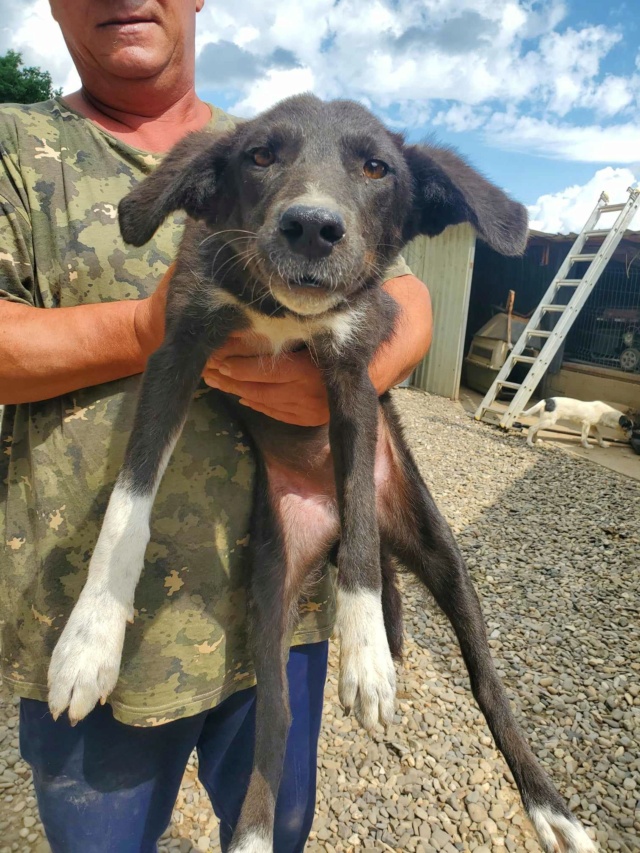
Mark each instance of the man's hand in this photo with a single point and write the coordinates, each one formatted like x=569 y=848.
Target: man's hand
x=290 y=388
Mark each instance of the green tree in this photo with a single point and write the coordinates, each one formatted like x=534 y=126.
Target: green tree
x=20 y=85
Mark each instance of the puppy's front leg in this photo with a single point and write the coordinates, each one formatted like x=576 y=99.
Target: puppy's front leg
x=86 y=660
x=367 y=674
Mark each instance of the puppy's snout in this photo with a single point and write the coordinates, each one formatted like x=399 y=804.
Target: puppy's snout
x=312 y=231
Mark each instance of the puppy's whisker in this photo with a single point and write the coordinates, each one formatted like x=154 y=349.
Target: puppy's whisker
x=226 y=245
x=226 y=231
x=231 y=263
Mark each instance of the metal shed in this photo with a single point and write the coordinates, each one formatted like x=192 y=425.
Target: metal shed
x=445 y=264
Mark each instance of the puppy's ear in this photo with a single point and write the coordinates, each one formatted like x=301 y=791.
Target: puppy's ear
x=625 y=422
x=447 y=191
x=186 y=179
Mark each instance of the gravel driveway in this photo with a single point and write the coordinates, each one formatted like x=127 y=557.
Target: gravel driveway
x=553 y=544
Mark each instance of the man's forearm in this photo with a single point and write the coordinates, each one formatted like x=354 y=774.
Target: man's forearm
x=48 y=352
x=410 y=342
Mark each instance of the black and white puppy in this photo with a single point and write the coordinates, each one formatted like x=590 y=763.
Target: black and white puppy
x=294 y=216
x=589 y=415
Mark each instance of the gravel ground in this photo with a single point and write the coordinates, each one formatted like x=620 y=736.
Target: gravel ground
x=552 y=542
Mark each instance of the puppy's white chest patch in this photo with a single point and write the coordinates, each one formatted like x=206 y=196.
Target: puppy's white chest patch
x=284 y=332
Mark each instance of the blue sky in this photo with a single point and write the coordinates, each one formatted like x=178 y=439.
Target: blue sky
x=541 y=95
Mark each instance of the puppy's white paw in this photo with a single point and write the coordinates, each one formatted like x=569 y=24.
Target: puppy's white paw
x=560 y=834
x=86 y=660
x=253 y=842
x=367 y=681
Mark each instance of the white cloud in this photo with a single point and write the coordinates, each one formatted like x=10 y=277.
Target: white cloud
x=275 y=85
x=592 y=144
x=612 y=95
x=567 y=211
x=501 y=67
x=504 y=68
x=461 y=117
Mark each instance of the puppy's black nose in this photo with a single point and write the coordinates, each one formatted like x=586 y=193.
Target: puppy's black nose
x=312 y=231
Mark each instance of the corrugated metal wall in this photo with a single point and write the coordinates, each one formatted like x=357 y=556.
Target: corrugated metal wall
x=445 y=264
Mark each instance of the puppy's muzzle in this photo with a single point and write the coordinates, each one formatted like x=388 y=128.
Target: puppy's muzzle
x=311 y=231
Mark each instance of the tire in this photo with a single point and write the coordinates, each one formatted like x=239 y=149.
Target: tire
x=630 y=359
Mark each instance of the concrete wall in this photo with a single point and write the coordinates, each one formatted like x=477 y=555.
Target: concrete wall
x=445 y=264
x=590 y=382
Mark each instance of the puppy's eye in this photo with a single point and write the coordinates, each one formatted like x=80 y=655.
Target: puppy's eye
x=263 y=157
x=375 y=169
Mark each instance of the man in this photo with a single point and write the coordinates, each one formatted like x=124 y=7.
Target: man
x=68 y=379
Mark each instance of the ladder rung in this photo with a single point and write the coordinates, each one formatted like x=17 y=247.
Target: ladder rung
x=537 y=333
x=598 y=232
x=556 y=308
x=579 y=258
x=611 y=208
x=511 y=385
x=527 y=359
x=569 y=282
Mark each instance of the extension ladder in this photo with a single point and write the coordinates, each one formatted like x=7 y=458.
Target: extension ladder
x=565 y=313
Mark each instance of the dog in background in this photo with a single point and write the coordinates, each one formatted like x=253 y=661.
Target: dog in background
x=293 y=216
x=589 y=415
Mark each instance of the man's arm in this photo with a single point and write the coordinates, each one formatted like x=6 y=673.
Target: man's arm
x=292 y=390
x=48 y=352
x=396 y=359
x=45 y=352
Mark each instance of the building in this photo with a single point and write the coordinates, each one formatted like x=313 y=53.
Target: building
x=601 y=355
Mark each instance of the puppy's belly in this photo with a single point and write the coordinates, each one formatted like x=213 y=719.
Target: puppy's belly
x=305 y=507
x=303 y=496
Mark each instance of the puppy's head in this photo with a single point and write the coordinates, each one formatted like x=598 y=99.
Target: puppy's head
x=626 y=425
x=318 y=198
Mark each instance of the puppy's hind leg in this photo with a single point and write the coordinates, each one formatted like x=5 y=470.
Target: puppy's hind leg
x=532 y=434
x=423 y=542
x=545 y=420
x=275 y=590
x=86 y=660
x=391 y=604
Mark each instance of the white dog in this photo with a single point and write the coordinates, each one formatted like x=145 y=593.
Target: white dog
x=589 y=415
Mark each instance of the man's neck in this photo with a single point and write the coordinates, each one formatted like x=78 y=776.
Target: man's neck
x=142 y=126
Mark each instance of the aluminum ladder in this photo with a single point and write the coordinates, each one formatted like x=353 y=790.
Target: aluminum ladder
x=565 y=313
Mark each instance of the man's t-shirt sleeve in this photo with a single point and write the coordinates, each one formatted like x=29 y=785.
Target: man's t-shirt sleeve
x=397 y=268
x=16 y=248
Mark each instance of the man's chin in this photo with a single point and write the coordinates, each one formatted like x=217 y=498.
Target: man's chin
x=141 y=60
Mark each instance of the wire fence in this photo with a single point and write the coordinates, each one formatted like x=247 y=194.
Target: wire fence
x=607 y=330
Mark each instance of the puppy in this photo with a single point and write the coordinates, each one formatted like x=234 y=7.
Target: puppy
x=589 y=415
x=293 y=217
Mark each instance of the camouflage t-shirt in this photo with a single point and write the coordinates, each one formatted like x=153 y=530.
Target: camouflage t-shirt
x=60 y=184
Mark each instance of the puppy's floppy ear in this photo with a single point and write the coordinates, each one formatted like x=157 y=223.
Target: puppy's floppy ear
x=186 y=179
x=625 y=422
x=447 y=191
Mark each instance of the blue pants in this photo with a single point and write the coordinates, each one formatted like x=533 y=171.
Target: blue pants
x=104 y=787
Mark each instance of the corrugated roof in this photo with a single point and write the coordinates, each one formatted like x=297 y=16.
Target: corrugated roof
x=627 y=251
x=633 y=236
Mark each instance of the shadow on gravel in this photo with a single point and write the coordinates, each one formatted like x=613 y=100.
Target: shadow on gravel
x=553 y=550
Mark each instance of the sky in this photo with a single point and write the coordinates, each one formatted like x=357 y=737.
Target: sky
x=540 y=95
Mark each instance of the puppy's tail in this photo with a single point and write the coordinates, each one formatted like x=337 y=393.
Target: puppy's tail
x=534 y=409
